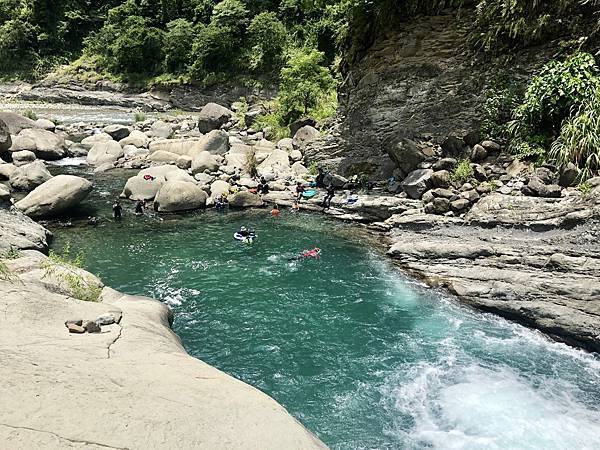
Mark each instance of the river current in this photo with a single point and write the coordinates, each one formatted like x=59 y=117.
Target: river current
x=362 y=355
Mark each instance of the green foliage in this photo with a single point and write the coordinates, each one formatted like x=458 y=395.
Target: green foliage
x=268 y=38
x=579 y=139
x=12 y=253
x=313 y=168
x=463 y=172
x=214 y=50
x=30 y=114
x=5 y=273
x=241 y=112
x=231 y=14
x=585 y=189
x=501 y=98
x=304 y=83
x=178 y=45
x=139 y=116
x=68 y=269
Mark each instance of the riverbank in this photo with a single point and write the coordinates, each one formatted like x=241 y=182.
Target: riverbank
x=134 y=373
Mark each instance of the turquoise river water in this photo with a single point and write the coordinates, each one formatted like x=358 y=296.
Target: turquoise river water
x=362 y=355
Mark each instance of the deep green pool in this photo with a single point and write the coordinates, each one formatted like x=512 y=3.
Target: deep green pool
x=363 y=356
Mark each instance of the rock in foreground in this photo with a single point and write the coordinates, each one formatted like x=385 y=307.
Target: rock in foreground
x=131 y=386
x=55 y=196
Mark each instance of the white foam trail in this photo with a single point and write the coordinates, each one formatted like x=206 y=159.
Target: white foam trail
x=78 y=161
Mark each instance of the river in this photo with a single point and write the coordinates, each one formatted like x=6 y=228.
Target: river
x=362 y=355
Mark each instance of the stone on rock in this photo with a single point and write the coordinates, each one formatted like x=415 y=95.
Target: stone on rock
x=441 y=205
x=78 y=322
x=23 y=157
x=74 y=328
x=427 y=197
x=161 y=129
x=453 y=147
x=136 y=138
x=45 y=124
x=105 y=319
x=55 y=196
x=491 y=146
x=216 y=142
x=6 y=170
x=539 y=189
x=204 y=180
x=163 y=157
x=5 y=138
x=92 y=327
x=184 y=162
x=471 y=195
x=48 y=145
x=159 y=171
x=479 y=172
x=131 y=150
x=545 y=175
x=443 y=193
x=20 y=143
x=104 y=152
x=472 y=138
x=568 y=175
x=212 y=117
x=407 y=156
x=460 y=204
x=204 y=161
x=29 y=176
x=478 y=153
x=304 y=136
x=77 y=150
x=90 y=141
x=417 y=183
x=286 y=144
x=178 y=195
x=117 y=132
x=298 y=169
x=335 y=180
x=296 y=155
x=445 y=164
x=245 y=199
x=16 y=122
x=441 y=178
x=180 y=175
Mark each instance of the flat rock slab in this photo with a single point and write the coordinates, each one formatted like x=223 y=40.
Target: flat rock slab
x=22 y=233
x=130 y=386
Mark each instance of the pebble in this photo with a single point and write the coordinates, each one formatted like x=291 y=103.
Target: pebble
x=74 y=328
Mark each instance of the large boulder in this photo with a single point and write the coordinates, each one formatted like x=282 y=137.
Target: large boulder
x=104 y=152
x=117 y=132
x=48 y=145
x=335 y=180
x=161 y=129
x=55 y=196
x=245 y=199
x=4 y=193
x=159 y=171
x=180 y=147
x=215 y=142
x=139 y=188
x=5 y=139
x=297 y=124
x=45 y=124
x=304 y=136
x=179 y=196
x=568 y=175
x=29 y=176
x=135 y=138
x=417 y=183
x=6 y=170
x=278 y=161
x=212 y=117
x=238 y=156
x=16 y=122
x=204 y=161
x=454 y=147
x=17 y=231
x=406 y=155
x=22 y=143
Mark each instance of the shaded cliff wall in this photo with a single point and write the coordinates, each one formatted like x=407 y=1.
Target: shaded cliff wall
x=420 y=82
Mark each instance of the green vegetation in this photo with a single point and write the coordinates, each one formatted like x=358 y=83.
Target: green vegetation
x=463 y=172
x=139 y=116
x=251 y=164
x=30 y=114
x=585 y=189
x=5 y=273
x=68 y=270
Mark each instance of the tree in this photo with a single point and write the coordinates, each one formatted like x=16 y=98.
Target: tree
x=303 y=83
x=138 y=48
x=230 y=14
x=214 y=50
x=268 y=37
x=178 y=45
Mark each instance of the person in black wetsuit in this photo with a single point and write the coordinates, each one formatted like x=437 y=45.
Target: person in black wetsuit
x=320 y=178
x=299 y=191
x=139 y=207
x=117 y=209
x=263 y=186
x=329 y=196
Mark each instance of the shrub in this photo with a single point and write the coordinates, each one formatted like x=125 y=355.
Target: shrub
x=214 y=50
x=139 y=116
x=501 y=98
x=30 y=114
x=68 y=270
x=268 y=38
x=231 y=14
x=463 y=172
x=178 y=45
x=304 y=82
x=138 y=48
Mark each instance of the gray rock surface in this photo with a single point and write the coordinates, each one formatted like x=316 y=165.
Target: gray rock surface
x=104 y=152
x=55 y=196
x=130 y=386
x=304 y=136
x=23 y=157
x=29 y=176
x=16 y=122
x=117 y=132
x=48 y=145
x=204 y=161
x=177 y=195
x=5 y=138
x=244 y=199
x=20 y=232
x=417 y=183
x=212 y=117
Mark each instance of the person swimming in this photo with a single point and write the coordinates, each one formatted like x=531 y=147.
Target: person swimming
x=275 y=211
x=314 y=253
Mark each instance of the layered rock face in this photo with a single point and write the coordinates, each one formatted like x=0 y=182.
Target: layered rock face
x=418 y=82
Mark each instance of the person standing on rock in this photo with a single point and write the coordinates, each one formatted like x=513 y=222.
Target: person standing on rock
x=329 y=196
x=117 y=210
x=299 y=191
